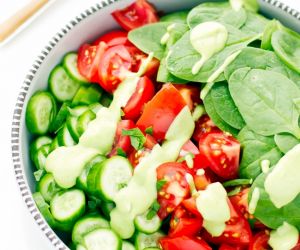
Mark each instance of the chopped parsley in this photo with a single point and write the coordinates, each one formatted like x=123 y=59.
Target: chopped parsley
x=137 y=138
x=149 y=130
x=153 y=210
x=121 y=152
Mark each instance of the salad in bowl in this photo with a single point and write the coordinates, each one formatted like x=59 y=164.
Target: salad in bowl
x=174 y=132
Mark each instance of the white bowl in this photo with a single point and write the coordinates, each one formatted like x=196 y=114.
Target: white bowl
x=87 y=26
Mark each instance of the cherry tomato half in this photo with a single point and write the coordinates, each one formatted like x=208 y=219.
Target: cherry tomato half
x=144 y=93
x=175 y=188
x=184 y=223
x=88 y=60
x=260 y=241
x=190 y=93
x=222 y=152
x=113 y=38
x=203 y=126
x=136 y=15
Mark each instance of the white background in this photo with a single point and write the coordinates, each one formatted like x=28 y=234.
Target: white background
x=17 y=229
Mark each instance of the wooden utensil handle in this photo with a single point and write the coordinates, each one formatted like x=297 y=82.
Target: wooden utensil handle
x=17 y=19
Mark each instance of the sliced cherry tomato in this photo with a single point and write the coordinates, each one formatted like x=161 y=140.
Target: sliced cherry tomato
x=135 y=15
x=260 y=241
x=114 y=67
x=223 y=152
x=229 y=247
x=203 y=177
x=135 y=157
x=184 y=243
x=240 y=201
x=190 y=205
x=88 y=60
x=203 y=126
x=188 y=147
x=123 y=141
x=161 y=111
x=237 y=231
x=176 y=188
x=113 y=38
x=184 y=223
x=143 y=93
x=190 y=93
x=138 y=57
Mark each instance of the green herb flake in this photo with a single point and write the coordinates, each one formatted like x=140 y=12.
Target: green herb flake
x=137 y=138
x=153 y=210
x=121 y=152
x=39 y=174
x=160 y=184
x=149 y=130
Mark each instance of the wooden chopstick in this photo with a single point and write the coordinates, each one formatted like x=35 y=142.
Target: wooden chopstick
x=10 y=25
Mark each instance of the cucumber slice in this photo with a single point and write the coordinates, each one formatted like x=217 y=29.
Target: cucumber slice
x=40 y=112
x=84 y=120
x=48 y=187
x=62 y=85
x=87 y=95
x=54 y=145
x=80 y=247
x=68 y=205
x=92 y=178
x=82 y=179
x=64 y=137
x=104 y=239
x=152 y=248
x=40 y=156
x=95 y=107
x=37 y=144
x=106 y=208
x=114 y=174
x=70 y=65
x=44 y=209
x=71 y=123
x=86 y=225
x=60 y=117
x=147 y=226
x=143 y=241
x=106 y=100
x=126 y=245
x=78 y=111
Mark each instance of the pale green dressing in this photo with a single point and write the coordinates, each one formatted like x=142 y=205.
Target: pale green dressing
x=236 y=4
x=254 y=200
x=265 y=166
x=285 y=176
x=165 y=38
x=141 y=191
x=67 y=163
x=284 y=238
x=207 y=38
x=213 y=206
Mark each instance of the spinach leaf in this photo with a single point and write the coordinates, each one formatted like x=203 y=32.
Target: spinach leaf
x=163 y=74
x=285 y=142
x=183 y=56
x=225 y=106
x=220 y=12
x=261 y=59
x=268 y=214
x=270 y=28
x=265 y=101
x=218 y=121
x=287 y=46
x=256 y=148
x=148 y=37
x=255 y=24
x=176 y=17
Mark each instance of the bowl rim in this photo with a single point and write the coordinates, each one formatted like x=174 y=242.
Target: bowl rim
x=20 y=176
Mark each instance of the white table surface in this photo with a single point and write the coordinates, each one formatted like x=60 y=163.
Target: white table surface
x=17 y=228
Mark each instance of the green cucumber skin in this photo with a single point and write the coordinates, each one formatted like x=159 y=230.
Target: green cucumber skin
x=43 y=187
x=35 y=116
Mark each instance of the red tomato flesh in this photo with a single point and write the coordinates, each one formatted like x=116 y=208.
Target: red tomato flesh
x=176 y=188
x=203 y=126
x=160 y=112
x=260 y=241
x=184 y=243
x=113 y=38
x=144 y=92
x=222 y=152
x=122 y=141
x=190 y=93
x=136 y=15
x=88 y=60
